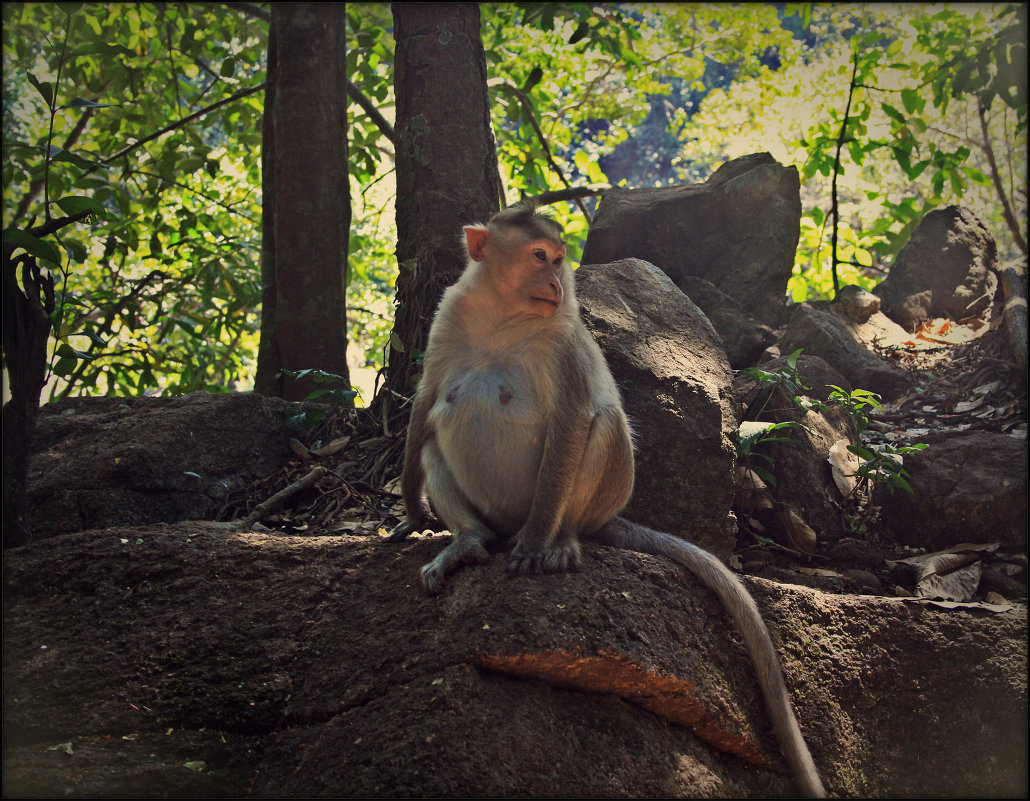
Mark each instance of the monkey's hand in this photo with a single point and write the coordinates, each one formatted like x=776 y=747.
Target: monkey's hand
x=558 y=557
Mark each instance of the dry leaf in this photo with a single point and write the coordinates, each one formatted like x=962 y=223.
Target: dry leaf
x=820 y=571
x=1005 y=607
x=802 y=536
x=844 y=465
x=952 y=574
x=968 y=406
x=752 y=494
x=332 y=447
x=299 y=448
x=958 y=585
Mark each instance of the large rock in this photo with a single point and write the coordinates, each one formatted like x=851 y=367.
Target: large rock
x=966 y=487
x=190 y=661
x=130 y=461
x=743 y=337
x=820 y=332
x=677 y=388
x=947 y=269
x=738 y=230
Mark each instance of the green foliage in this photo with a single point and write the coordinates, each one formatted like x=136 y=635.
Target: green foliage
x=884 y=464
x=912 y=138
x=159 y=289
x=334 y=392
x=751 y=434
x=857 y=402
x=159 y=286
x=786 y=378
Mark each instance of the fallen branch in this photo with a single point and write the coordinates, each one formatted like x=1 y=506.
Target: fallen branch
x=265 y=507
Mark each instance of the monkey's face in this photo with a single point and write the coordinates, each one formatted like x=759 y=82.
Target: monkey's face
x=533 y=277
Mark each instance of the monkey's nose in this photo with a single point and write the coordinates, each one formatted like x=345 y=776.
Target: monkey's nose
x=559 y=293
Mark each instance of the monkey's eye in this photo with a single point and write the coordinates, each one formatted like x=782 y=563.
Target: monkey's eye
x=540 y=256
x=558 y=261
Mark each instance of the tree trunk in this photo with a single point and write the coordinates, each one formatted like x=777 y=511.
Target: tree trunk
x=26 y=328
x=306 y=216
x=446 y=165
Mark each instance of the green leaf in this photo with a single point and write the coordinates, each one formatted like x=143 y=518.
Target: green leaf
x=65 y=367
x=102 y=49
x=75 y=204
x=913 y=102
x=81 y=102
x=60 y=154
x=44 y=88
x=581 y=31
x=893 y=113
x=37 y=247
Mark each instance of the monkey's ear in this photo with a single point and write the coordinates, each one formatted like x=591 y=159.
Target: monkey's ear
x=476 y=236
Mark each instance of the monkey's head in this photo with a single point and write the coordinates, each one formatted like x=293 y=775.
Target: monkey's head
x=523 y=255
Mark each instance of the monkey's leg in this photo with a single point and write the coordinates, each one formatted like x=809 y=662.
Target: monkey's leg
x=470 y=535
x=601 y=484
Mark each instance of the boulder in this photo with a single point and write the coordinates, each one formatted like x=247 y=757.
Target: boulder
x=947 y=269
x=190 y=661
x=821 y=332
x=738 y=230
x=130 y=461
x=966 y=487
x=744 y=338
x=676 y=385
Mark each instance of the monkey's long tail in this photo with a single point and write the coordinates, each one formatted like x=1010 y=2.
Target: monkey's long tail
x=737 y=601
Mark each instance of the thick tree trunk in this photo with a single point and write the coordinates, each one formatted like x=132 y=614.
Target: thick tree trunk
x=307 y=213
x=446 y=165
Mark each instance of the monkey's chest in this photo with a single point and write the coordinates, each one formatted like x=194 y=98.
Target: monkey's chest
x=490 y=426
x=487 y=398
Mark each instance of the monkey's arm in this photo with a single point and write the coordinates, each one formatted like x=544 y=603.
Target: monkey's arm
x=541 y=544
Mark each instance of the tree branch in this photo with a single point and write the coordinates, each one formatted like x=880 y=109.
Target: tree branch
x=359 y=97
x=834 y=209
x=1006 y=206
x=179 y=123
x=528 y=108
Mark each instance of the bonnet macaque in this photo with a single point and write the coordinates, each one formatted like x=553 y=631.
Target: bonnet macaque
x=517 y=431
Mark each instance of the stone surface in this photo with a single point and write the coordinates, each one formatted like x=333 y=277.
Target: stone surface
x=129 y=461
x=676 y=386
x=947 y=269
x=738 y=230
x=190 y=660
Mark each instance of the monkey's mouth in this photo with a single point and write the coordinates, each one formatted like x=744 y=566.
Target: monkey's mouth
x=550 y=301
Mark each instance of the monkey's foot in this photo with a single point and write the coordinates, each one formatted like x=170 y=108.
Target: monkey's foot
x=402 y=530
x=462 y=551
x=557 y=558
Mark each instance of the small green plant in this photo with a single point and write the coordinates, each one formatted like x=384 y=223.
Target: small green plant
x=754 y=433
x=345 y=396
x=857 y=402
x=884 y=464
x=786 y=378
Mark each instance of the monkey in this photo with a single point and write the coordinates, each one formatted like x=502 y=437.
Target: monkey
x=517 y=431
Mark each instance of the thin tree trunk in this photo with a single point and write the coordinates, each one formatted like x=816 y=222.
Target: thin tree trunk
x=1006 y=206
x=27 y=305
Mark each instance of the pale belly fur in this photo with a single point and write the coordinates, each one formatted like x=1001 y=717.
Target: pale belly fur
x=491 y=434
